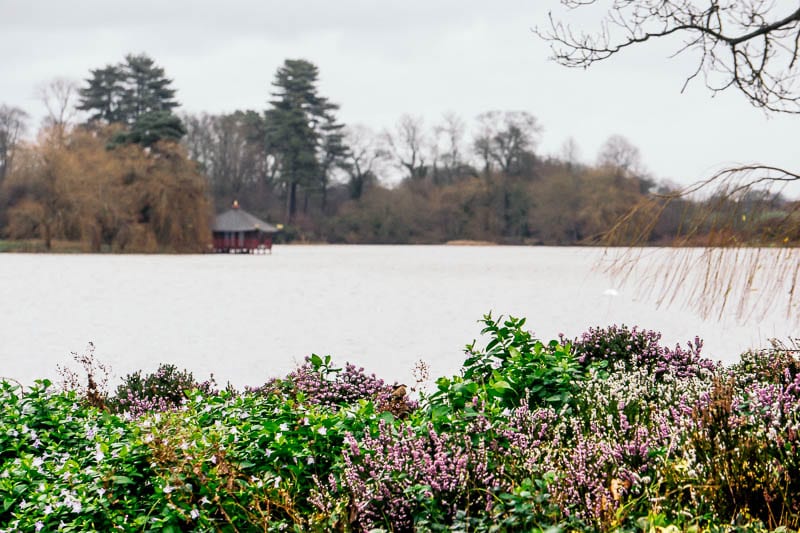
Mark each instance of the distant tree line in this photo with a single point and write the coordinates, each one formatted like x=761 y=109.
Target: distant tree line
x=136 y=176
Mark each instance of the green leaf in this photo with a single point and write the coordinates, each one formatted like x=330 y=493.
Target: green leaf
x=316 y=360
x=121 y=480
x=501 y=385
x=439 y=412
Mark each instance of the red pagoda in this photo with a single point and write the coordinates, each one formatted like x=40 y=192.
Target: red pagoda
x=238 y=232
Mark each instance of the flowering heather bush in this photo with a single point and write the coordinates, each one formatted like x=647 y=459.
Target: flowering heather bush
x=778 y=365
x=415 y=477
x=317 y=382
x=745 y=446
x=638 y=349
x=164 y=389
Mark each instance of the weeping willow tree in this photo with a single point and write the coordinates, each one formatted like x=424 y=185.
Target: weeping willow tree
x=734 y=236
x=127 y=198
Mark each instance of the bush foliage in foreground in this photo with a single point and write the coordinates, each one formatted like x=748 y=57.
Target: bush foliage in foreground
x=611 y=432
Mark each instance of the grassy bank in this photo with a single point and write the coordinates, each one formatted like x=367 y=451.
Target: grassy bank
x=610 y=432
x=30 y=246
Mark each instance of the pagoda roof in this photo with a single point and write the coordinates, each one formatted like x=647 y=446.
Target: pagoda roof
x=237 y=219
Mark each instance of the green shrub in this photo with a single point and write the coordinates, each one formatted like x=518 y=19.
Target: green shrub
x=512 y=369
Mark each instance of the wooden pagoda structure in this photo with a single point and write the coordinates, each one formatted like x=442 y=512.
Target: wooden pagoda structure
x=238 y=232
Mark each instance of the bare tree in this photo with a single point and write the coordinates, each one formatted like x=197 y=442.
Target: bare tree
x=229 y=149
x=408 y=143
x=448 y=148
x=506 y=139
x=619 y=153
x=570 y=152
x=59 y=97
x=12 y=128
x=198 y=139
x=749 y=46
x=366 y=152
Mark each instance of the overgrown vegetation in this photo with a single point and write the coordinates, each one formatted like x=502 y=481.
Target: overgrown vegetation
x=610 y=432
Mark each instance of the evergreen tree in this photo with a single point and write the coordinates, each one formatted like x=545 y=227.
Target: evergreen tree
x=333 y=152
x=151 y=127
x=300 y=129
x=103 y=95
x=136 y=93
x=124 y=92
x=146 y=88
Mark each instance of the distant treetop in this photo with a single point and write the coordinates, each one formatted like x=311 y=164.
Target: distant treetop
x=123 y=92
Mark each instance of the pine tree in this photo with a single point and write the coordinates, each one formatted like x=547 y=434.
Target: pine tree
x=301 y=130
x=333 y=152
x=137 y=94
x=151 y=127
x=123 y=92
x=103 y=95
x=146 y=88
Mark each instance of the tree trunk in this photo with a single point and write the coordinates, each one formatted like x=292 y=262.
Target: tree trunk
x=48 y=237
x=291 y=202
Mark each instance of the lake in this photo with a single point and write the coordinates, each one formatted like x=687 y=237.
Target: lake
x=247 y=318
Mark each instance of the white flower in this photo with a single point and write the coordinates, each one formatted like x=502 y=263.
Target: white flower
x=284 y=427
x=204 y=501
x=323 y=430
x=48 y=509
x=194 y=513
x=168 y=489
x=268 y=452
x=310 y=460
x=213 y=459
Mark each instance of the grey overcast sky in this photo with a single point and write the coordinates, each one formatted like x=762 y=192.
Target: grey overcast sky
x=380 y=59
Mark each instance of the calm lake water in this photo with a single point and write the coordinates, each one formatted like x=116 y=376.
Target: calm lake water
x=247 y=318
